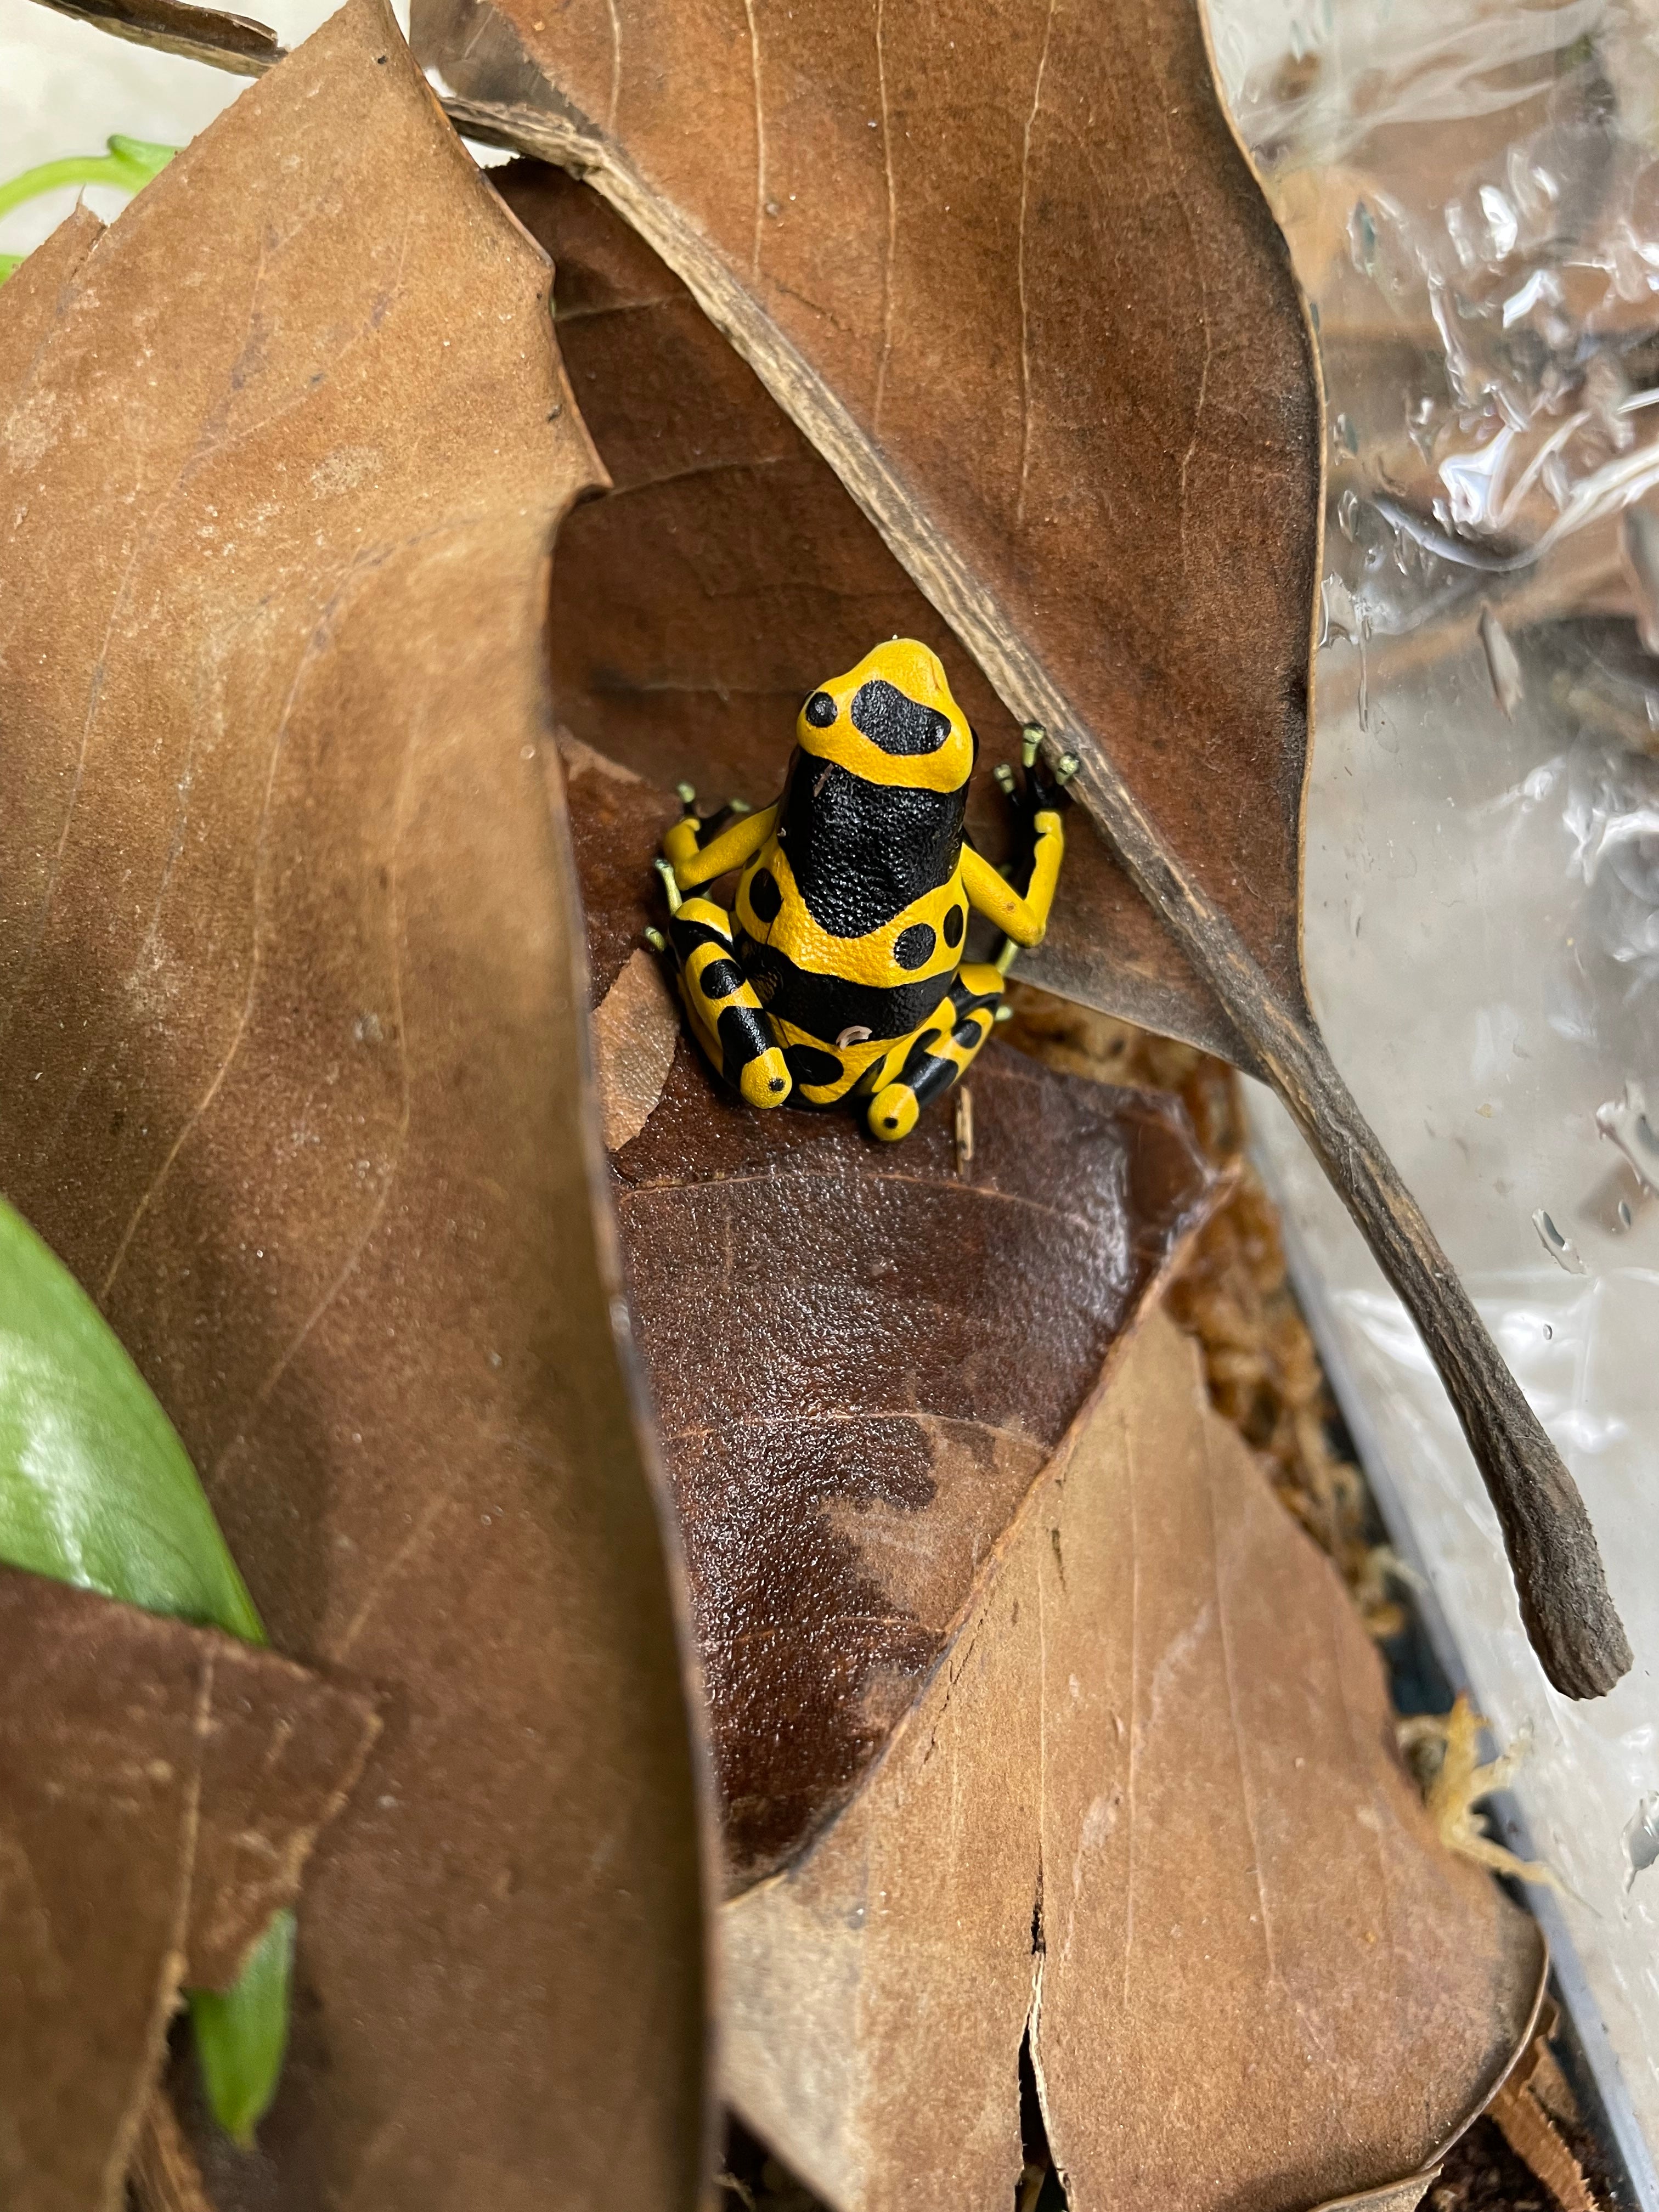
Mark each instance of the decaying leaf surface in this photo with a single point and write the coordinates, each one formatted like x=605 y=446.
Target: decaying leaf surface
x=862 y=1356
x=1150 y=1803
x=294 y=1079
x=161 y=1787
x=728 y=570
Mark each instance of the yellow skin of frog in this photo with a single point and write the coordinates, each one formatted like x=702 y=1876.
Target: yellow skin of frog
x=836 y=974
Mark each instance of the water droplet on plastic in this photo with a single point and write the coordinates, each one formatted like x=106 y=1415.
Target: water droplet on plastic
x=1562 y=1249
x=1365 y=676
x=1344 y=435
x=1638 y=548
x=1347 y=513
x=1503 y=223
x=1501 y=665
x=1642 y=1838
x=1340 y=618
x=1421 y=425
x=1624 y=1122
x=1362 y=238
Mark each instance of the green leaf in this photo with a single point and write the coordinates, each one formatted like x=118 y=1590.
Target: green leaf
x=129 y=165
x=240 y=2036
x=96 y=1490
x=142 y=155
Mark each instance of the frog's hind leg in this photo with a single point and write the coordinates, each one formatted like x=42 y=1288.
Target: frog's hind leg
x=726 y=1017
x=922 y=1068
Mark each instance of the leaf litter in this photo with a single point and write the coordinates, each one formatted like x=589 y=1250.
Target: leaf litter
x=1085 y=414
x=984 y=1588
x=295 y=1080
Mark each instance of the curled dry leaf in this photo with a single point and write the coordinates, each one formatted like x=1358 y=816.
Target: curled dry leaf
x=1008 y=271
x=161 y=1787
x=236 y=43
x=862 y=1356
x=294 y=1079
x=1147 y=1810
x=727 y=571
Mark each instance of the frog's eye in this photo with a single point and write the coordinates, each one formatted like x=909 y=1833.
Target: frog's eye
x=820 y=710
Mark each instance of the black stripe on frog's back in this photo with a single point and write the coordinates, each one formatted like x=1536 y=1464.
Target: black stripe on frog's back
x=827 y=1006
x=862 y=852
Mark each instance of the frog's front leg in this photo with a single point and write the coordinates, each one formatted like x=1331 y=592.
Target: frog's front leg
x=726 y=1017
x=694 y=863
x=1025 y=917
x=921 y=1067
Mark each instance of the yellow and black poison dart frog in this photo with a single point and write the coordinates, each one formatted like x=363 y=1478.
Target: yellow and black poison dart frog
x=840 y=974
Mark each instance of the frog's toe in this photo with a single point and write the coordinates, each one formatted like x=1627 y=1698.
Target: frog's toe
x=893 y=1113
x=765 y=1080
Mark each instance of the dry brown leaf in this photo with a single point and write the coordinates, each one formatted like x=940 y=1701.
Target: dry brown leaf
x=1008 y=271
x=729 y=569
x=636 y=1028
x=294 y=1079
x=1395 y=2196
x=229 y=42
x=1150 y=1804
x=862 y=1357
x=161 y=1789
x=1233 y=1292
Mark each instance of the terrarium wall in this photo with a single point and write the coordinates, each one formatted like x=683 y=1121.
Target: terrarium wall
x=1472 y=191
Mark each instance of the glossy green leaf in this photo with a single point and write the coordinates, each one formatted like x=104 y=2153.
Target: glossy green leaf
x=240 y=2036
x=97 y=1490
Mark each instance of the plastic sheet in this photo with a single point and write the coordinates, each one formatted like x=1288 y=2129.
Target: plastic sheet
x=1471 y=194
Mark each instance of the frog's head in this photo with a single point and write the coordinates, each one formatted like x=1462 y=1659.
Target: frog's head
x=892 y=721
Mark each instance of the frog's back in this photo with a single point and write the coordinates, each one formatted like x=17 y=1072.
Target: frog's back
x=851 y=918
x=853 y=914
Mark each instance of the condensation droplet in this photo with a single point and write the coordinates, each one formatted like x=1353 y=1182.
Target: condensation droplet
x=1642 y=1838
x=1365 y=676
x=1562 y=1249
x=1502 y=665
x=1639 y=547
x=1421 y=425
x=1347 y=512
x=1340 y=617
x=1624 y=1122
x=1502 y=221
x=1362 y=238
